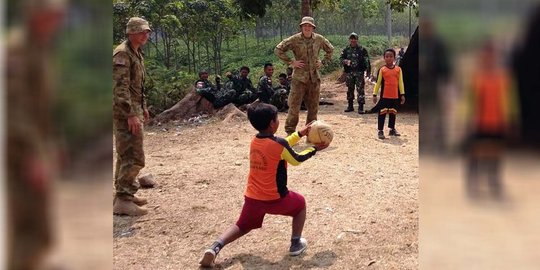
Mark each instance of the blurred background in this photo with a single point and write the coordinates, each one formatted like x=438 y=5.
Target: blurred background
x=57 y=134
x=479 y=134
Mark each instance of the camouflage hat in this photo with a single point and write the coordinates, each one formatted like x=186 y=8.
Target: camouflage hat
x=308 y=20
x=136 y=25
x=353 y=35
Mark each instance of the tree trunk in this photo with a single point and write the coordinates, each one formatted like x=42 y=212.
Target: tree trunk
x=245 y=41
x=306 y=8
x=389 y=24
x=191 y=104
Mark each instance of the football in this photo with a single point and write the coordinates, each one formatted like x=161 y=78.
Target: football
x=320 y=133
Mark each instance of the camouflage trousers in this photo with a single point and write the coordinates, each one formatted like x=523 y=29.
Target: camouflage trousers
x=129 y=159
x=279 y=99
x=246 y=97
x=223 y=97
x=309 y=92
x=208 y=93
x=356 y=79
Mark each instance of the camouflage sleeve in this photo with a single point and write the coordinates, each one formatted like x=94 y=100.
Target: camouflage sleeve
x=121 y=77
x=367 y=62
x=343 y=55
x=329 y=49
x=281 y=50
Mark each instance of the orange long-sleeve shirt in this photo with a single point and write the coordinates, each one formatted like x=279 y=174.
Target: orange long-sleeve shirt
x=268 y=160
x=391 y=80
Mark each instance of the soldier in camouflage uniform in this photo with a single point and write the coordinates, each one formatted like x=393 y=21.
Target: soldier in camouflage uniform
x=129 y=113
x=355 y=61
x=205 y=88
x=306 y=79
x=245 y=93
x=276 y=96
x=30 y=147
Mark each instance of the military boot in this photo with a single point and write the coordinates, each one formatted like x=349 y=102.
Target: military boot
x=350 y=107
x=127 y=207
x=361 y=108
x=139 y=201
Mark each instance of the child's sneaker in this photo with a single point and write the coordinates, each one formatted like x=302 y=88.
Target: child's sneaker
x=381 y=135
x=210 y=255
x=208 y=258
x=298 y=248
x=394 y=132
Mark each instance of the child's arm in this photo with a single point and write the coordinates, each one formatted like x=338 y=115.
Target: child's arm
x=293 y=138
x=292 y=157
x=377 y=86
x=401 y=86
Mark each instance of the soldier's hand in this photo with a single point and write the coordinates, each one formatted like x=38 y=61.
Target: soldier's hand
x=402 y=99
x=347 y=62
x=298 y=64
x=134 y=125
x=146 y=115
x=374 y=99
x=318 y=64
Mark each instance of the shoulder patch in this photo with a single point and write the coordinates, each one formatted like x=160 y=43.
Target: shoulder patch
x=120 y=61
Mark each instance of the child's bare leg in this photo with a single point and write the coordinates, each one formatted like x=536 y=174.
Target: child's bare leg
x=298 y=244
x=228 y=236
x=231 y=234
x=298 y=224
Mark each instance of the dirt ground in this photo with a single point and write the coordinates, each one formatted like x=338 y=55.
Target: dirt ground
x=361 y=193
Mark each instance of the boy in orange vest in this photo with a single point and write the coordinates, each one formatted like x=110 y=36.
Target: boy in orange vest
x=266 y=191
x=390 y=82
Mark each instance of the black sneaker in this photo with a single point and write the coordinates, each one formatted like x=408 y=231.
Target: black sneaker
x=349 y=109
x=298 y=248
x=394 y=132
x=381 y=135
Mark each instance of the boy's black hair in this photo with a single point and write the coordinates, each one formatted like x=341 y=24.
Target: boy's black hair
x=282 y=75
x=244 y=67
x=390 y=50
x=261 y=114
x=268 y=65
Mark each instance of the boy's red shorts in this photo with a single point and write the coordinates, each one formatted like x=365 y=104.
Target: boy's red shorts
x=253 y=211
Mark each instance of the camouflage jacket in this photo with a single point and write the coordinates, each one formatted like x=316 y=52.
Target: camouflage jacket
x=265 y=89
x=240 y=85
x=359 y=59
x=205 y=84
x=128 y=75
x=307 y=50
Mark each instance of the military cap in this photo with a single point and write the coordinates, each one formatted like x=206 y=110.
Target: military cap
x=353 y=35
x=136 y=25
x=308 y=20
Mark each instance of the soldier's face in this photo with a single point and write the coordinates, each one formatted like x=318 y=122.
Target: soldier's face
x=204 y=76
x=269 y=71
x=282 y=80
x=243 y=73
x=353 y=41
x=307 y=30
x=142 y=37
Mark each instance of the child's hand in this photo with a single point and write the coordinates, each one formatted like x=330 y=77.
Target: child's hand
x=321 y=146
x=305 y=130
x=402 y=99
x=374 y=99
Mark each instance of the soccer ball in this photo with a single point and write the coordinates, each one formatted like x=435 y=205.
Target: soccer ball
x=320 y=133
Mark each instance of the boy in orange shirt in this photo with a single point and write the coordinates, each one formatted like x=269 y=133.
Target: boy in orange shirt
x=390 y=81
x=266 y=191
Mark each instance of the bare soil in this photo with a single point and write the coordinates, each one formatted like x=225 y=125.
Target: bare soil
x=361 y=193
